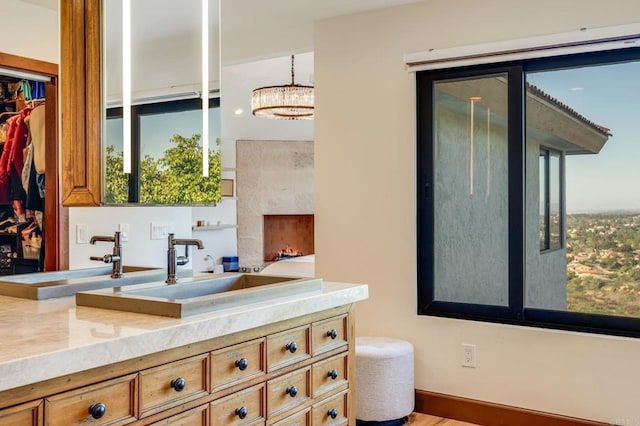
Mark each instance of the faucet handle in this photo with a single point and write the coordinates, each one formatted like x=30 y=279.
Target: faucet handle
x=107 y=258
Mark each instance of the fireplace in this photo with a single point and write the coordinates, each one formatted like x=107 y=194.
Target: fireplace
x=287 y=235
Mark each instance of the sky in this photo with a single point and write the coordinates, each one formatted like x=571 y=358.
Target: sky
x=608 y=95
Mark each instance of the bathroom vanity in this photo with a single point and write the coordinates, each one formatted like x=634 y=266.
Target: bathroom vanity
x=279 y=362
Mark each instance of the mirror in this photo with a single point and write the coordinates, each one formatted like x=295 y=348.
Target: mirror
x=166 y=81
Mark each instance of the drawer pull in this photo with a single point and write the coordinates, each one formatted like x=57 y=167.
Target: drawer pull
x=292 y=391
x=178 y=384
x=291 y=347
x=332 y=333
x=333 y=413
x=98 y=410
x=242 y=364
x=333 y=374
x=242 y=412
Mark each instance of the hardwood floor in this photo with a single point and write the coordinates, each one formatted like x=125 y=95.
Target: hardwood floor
x=417 y=419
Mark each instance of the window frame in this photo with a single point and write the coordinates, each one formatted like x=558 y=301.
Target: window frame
x=548 y=153
x=137 y=112
x=516 y=312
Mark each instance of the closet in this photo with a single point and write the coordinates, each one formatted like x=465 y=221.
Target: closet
x=30 y=213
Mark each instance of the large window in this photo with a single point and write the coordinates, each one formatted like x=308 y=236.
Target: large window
x=529 y=192
x=166 y=155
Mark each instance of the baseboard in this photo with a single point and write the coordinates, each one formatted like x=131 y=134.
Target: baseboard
x=488 y=414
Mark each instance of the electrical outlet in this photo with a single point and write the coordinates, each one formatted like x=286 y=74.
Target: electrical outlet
x=82 y=233
x=159 y=231
x=469 y=355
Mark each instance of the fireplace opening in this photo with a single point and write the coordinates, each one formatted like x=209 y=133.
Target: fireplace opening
x=287 y=236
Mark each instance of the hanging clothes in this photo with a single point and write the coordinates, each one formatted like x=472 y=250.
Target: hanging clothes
x=12 y=160
x=37 y=127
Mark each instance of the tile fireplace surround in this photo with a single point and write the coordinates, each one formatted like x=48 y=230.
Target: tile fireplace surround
x=272 y=178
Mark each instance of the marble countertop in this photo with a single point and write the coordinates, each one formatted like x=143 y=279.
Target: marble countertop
x=41 y=340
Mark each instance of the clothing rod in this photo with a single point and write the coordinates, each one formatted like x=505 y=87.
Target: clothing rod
x=24 y=75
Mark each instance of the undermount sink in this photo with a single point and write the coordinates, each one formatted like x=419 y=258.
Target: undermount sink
x=198 y=295
x=47 y=285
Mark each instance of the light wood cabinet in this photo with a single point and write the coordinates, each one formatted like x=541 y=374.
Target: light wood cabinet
x=241 y=408
x=112 y=403
x=248 y=378
x=30 y=414
x=174 y=383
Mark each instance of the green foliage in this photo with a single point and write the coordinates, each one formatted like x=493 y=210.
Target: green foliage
x=116 y=182
x=175 y=178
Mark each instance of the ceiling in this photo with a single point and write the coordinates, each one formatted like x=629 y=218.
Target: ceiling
x=271 y=27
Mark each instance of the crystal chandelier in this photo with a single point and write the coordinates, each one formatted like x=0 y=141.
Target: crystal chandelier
x=288 y=102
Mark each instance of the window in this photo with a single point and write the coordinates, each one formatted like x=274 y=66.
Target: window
x=529 y=192
x=550 y=201
x=166 y=155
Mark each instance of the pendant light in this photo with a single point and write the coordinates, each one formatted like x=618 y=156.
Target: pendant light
x=288 y=102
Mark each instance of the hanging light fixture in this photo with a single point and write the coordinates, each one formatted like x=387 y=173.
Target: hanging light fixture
x=288 y=102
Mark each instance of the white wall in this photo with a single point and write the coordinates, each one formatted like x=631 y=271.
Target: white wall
x=365 y=208
x=30 y=31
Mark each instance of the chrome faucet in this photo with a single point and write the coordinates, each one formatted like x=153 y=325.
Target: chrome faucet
x=115 y=258
x=171 y=255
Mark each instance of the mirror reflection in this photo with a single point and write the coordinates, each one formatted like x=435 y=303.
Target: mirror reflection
x=166 y=72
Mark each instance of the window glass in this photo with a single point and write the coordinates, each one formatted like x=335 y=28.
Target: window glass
x=590 y=115
x=471 y=242
x=116 y=189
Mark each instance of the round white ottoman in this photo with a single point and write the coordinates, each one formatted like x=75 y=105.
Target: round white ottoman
x=384 y=389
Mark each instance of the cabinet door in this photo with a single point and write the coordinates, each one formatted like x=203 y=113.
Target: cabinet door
x=287 y=392
x=332 y=411
x=29 y=414
x=112 y=403
x=301 y=418
x=241 y=408
x=329 y=334
x=330 y=375
x=234 y=364
x=288 y=347
x=198 y=416
x=171 y=384
x=80 y=103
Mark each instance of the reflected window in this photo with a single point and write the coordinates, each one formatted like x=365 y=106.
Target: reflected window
x=166 y=155
x=550 y=202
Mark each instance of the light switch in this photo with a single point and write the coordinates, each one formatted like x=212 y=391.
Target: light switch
x=82 y=233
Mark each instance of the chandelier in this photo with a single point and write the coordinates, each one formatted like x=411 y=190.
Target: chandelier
x=288 y=102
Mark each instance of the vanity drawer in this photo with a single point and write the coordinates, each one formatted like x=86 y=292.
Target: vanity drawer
x=288 y=391
x=332 y=411
x=172 y=384
x=287 y=347
x=198 y=416
x=329 y=374
x=241 y=408
x=329 y=334
x=236 y=363
x=30 y=414
x=115 y=399
x=301 y=418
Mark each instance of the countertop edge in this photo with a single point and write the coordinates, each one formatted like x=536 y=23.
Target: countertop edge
x=80 y=357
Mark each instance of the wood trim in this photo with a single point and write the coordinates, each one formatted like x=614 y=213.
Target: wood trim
x=21 y=63
x=80 y=87
x=489 y=414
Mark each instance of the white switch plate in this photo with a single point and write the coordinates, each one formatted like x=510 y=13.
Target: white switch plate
x=159 y=230
x=124 y=231
x=82 y=233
